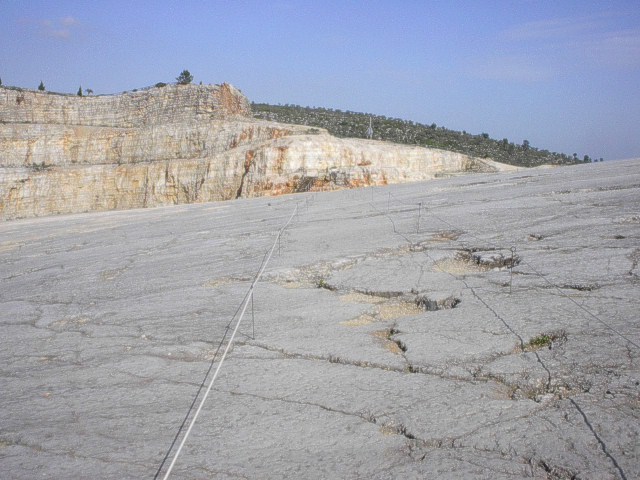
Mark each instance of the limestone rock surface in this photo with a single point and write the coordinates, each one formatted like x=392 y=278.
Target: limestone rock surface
x=384 y=341
x=181 y=144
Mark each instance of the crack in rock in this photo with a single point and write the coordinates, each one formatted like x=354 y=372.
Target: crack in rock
x=386 y=428
x=555 y=472
x=409 y=369
x=323 y=358
x=582 y=287
x=487 y=259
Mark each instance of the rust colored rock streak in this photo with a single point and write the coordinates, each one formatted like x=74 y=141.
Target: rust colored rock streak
x=230 y=100
x=181 y=144
x=248 y=163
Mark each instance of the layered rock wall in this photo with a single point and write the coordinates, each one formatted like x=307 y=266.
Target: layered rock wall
x=43 y=146
x=317 y=162
x=180 y=144
x=169 y=104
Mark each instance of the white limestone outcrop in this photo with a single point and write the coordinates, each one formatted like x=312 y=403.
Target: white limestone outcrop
x=181 y=144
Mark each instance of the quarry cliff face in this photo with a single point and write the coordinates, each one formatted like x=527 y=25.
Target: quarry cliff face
x=181 y=144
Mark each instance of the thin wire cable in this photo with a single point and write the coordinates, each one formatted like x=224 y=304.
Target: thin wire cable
x=539 y=359
x=244 y=304
x=580 y=306
x=495 y=245
x=552 y=284
x=204 y=380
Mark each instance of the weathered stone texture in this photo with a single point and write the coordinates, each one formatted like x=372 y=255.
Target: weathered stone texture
x=180 y=144
x=383 y=340
x=169 y=104
x=280 y=165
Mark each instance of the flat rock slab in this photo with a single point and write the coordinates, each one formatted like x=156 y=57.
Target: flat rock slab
x=491 y=332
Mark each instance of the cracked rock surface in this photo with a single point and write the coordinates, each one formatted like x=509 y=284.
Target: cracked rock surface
x=492 y=333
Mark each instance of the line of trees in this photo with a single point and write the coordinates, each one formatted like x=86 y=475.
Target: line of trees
x=355 y=125
x=184 y=78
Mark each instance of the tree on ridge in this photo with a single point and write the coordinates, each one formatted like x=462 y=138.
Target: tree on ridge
x=184 y=78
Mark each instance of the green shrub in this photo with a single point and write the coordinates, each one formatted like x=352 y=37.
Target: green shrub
x=352 y=124
x=184 y=78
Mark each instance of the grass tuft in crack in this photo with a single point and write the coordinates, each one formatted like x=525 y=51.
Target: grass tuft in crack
x=545 y=340
x=322 y=283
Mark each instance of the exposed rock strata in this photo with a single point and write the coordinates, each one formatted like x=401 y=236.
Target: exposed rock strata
x=180 y=144
x=111 y=321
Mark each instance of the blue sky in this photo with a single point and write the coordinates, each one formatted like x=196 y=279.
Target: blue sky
x=563 y=74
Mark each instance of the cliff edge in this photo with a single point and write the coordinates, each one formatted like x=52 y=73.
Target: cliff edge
x=181 y=144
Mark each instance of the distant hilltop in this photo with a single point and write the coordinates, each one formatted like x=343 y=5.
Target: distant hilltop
x=174 y=144
x=354 y=124
x=154 y=105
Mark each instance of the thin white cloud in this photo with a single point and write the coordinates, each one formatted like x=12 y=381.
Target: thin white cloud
x=63 y=34
x=545 y=49
x=62 y=28
x=512 y=68
x=617 y=49
x=553 y=28
x=69 y=21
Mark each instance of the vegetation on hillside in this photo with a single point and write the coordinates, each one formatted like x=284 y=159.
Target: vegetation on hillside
x=185 y=78
x=347 y=124
x=355 y=125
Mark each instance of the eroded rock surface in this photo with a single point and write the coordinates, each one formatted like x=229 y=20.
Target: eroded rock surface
x=110 y=321
x=181 y=144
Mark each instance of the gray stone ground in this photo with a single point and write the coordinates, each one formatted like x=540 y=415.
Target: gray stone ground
x=377 y=354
